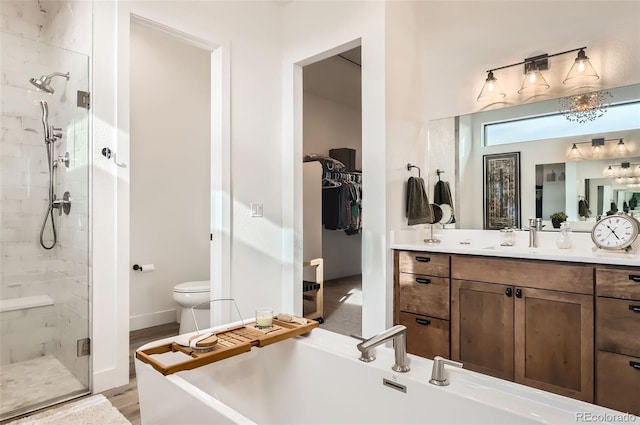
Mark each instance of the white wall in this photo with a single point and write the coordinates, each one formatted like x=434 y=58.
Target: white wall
x=170 y=137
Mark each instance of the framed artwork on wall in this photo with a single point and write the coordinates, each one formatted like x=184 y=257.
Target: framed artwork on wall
x=502 y=190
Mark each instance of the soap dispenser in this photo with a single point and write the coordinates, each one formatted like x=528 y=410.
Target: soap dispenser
x=563 y=241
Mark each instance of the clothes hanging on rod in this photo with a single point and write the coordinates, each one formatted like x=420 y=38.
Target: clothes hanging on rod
x=342 y=201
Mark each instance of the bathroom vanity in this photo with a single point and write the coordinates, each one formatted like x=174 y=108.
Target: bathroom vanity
x=564 y=321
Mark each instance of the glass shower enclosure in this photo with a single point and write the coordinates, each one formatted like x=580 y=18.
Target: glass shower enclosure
x=44 y=225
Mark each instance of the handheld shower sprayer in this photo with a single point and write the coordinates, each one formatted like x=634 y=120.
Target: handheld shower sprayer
x=45 y=119
x=51 y=133
x=44 y=83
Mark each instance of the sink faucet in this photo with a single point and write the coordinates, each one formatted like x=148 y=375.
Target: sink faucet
x=438 y=376
x=533 y=233
x=399 y=335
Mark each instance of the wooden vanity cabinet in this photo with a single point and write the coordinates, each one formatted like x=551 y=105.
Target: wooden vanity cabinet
x=618 y=338
x=524 y=320
x=421 y=301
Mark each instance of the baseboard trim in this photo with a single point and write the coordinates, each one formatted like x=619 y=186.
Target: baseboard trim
x=156 y=318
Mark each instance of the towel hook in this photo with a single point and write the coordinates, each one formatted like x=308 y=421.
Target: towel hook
x=410 y=166
x=438 y=172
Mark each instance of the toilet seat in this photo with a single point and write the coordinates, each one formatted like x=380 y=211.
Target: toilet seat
x=192 y=287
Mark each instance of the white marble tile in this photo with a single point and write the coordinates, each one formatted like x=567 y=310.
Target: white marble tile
x=34 y=381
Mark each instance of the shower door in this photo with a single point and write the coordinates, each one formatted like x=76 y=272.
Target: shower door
x=44 y=225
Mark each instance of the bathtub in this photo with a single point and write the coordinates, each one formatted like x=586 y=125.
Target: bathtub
x=318 y=379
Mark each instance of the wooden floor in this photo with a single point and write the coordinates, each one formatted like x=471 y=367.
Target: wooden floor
x=125 y=398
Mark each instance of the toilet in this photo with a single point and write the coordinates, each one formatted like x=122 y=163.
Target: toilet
x=188 y=294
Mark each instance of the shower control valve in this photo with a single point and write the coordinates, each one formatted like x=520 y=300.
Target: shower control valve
x=63 y=204
x=55 y=132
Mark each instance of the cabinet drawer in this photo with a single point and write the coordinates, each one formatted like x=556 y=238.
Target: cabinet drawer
x=533 y=274
x=423 y=263
x=618 y=283
x=618 y=382
x=426 y=336
x=424 y=295
x=618 y=326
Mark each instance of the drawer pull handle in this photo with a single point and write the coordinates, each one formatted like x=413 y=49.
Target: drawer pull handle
x=427 y=259
x=421 y=280
x=634 y=277
x=508 y=292
x=635 y=365
x=423 y=321
x=518 y=293
x=635 y=308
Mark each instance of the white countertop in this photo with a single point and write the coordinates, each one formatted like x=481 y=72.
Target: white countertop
x=487 y=243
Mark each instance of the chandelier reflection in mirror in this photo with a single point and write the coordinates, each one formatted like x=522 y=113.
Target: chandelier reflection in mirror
x=585 y=107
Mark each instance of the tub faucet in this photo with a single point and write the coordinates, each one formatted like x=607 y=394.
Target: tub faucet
x=399 y=335
x=438 y=376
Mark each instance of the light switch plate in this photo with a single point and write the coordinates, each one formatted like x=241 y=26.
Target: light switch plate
x=256 y=210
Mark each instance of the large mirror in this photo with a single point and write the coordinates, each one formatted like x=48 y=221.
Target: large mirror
x=553 y=177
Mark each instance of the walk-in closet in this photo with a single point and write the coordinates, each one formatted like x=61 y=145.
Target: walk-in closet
x=332 y=191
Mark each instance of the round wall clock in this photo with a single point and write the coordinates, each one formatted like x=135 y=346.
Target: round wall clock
x=615 y=232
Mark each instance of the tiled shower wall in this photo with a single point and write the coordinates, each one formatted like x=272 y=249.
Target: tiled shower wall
x=30 y=30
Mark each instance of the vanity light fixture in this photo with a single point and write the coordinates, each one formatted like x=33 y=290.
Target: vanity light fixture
x=623 y=172
x=534 y=81
x=598 y=148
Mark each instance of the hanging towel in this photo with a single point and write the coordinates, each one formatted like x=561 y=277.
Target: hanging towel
x=442 y=195
x=583 y=208
x=418 y=207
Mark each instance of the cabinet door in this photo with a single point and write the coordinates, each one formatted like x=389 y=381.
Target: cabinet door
x=482 y=327
x=554 y=342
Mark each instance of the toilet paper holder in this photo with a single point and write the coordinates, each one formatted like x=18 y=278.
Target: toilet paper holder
x=141 y=268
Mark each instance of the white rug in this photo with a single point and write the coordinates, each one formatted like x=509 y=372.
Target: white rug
x=95 y=410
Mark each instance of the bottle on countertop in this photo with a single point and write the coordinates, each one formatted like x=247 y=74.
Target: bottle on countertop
x=563 y=241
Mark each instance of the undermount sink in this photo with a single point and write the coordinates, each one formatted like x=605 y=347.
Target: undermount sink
x=524 y=249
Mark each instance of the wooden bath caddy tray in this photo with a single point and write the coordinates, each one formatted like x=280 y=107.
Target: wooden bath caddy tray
x=230 y=342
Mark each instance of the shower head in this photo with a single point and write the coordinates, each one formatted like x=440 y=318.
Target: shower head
x=44 y=82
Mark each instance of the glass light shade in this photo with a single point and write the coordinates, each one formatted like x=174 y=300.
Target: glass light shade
x=533 y=82
x=597 y=149
x=581 y=70
x=574 y=153
x=491 y=89
x=609 y=172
